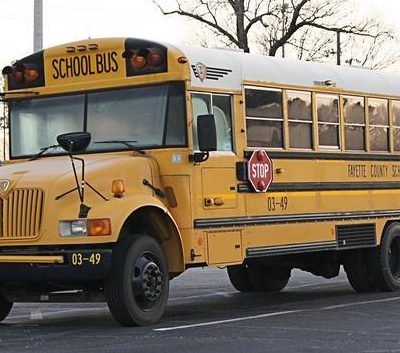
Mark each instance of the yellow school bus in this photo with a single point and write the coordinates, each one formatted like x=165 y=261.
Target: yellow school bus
x=131 y=161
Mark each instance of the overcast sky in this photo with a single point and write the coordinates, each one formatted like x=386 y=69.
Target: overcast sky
x=69 y=20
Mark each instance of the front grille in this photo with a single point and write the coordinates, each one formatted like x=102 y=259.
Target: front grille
x=21 y=214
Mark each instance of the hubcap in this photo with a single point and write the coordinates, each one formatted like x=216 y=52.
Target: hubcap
x=146 y=281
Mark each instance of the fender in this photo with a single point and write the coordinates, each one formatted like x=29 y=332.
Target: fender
x=128 y=215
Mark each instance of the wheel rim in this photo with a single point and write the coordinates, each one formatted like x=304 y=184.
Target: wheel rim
x=394 y=258
x=146 y=281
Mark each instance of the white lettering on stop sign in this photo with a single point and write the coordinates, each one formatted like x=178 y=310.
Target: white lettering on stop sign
x=259 y=169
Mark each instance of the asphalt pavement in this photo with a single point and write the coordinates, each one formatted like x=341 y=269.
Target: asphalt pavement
x=206 y=314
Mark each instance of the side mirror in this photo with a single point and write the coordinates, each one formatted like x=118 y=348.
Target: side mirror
x=74 y=141
x=206 y=136
x=206 y=133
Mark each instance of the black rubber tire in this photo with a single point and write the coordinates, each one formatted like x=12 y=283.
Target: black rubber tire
x=138 y=283
x=268 y=279
x=239 y=278
x=384 y=261
x=5 y=308
x=356 y=267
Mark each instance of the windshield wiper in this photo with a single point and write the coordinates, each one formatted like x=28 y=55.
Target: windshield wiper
x=127 y=143
x=42 y=151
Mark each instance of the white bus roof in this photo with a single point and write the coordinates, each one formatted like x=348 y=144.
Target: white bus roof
x=228 y=69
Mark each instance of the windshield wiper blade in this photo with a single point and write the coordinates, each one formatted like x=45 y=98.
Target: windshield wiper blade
x=42 y=151
x=127 y=143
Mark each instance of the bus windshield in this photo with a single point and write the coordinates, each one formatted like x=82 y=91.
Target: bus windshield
x=146 y=117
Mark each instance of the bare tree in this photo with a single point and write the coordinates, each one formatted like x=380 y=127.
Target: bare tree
x=306 y=27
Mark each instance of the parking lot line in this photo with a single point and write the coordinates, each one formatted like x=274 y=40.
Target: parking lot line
x=279 y=313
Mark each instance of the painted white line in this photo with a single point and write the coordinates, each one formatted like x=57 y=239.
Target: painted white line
x=230 y=293
x=339 y=306
x=227 y=321
x=318 y=285
x=33 y=315
x=224 y=294
x=279 y=313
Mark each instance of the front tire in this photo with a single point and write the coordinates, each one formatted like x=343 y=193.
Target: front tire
x=138 y=283
x=5 y=307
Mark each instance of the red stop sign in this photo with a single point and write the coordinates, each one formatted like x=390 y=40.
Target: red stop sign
x=259 y=169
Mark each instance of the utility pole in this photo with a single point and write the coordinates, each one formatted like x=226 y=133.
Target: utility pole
x=338 y=47
x=37 y=25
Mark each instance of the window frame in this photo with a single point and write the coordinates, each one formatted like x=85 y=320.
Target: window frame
x=387 y=127
x=338 y=124
x=255 y=118
x=299 y=121
x=396 y=128
x=232 y=131
x=346 y=124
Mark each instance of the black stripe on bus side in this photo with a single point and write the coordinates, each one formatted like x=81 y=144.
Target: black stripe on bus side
x=329 y=156
x=291 y=249
x=329 y=186
x=292 y=218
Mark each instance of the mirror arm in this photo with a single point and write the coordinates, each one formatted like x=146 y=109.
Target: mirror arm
x=199 y=157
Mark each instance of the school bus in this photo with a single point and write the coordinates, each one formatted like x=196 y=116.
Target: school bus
x=131 y=161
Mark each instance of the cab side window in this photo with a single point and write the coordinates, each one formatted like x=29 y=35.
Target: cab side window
x=221 y=107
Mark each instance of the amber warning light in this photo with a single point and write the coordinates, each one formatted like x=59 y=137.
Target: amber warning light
x=145 y=60
x=144 y=57
x=22 y=73
x=118 y=188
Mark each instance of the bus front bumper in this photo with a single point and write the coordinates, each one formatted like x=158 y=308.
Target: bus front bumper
x=70 y=265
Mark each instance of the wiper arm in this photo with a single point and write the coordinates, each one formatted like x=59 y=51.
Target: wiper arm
x=42 y=151
x=127 y=143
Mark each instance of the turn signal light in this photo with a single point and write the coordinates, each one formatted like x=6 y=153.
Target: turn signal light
x=118 y=188
x=96 y=227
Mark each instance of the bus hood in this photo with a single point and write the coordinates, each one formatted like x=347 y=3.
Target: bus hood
x=55 y=175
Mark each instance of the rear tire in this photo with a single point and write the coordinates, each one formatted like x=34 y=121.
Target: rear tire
x=239 y=278
x=268 y=279
x=138 y=283
x=356 y=267
x=384 y=261
x=5 y=307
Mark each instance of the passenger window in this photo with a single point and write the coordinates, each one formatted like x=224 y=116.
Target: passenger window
x=220 y=107
x=328 y=121
x=264 y=118
x=300 y=119
x=378 y=124
x=354 y=123
x=396 y=124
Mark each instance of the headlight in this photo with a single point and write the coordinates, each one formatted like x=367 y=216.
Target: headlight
x=85 y=227
x=74 y=228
